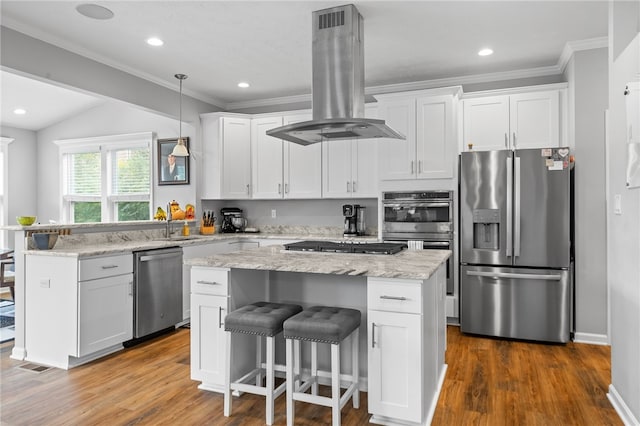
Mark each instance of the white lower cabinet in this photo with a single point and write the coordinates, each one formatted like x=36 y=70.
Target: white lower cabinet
x=394 y=363
x=208 y=340
x=105 y=312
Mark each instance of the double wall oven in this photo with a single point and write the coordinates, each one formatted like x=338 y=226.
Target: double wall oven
x=423 y=216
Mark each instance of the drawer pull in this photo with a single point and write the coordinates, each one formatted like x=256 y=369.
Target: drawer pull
x=109 y=266
x=220 y=323
x=393 y=297
x=208 y=282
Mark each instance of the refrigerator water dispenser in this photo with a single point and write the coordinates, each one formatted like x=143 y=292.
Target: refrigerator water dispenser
x=486 y=229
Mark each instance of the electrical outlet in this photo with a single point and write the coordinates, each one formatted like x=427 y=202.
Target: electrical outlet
x=273 y=213
x=617 y=204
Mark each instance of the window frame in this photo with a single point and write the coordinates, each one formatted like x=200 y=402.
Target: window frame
x=105 y=145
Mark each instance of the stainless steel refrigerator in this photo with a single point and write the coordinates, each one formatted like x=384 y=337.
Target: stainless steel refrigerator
x=516 y=255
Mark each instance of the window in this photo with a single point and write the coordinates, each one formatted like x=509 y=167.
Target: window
x=106 y=179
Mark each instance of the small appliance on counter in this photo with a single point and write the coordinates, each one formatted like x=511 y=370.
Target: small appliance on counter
x=232 y=220
x=354 y=223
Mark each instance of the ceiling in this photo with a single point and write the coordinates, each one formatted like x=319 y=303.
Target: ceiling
x=268 y=44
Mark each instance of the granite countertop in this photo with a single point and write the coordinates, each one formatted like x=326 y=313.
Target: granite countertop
x=113 y=243
x=409 y=264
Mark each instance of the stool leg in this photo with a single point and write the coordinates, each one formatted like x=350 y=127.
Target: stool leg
x=314 y=368
x=297 y=364
x=259 y=360
x=270 y=360
x=335 y=384
x=227 y=377
x=355 y=363
x=290 y=379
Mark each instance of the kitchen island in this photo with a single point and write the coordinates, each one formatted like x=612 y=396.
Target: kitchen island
x=401 y=298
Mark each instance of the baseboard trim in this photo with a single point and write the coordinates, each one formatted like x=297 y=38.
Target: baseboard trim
x=590 y=338
x=621 y=407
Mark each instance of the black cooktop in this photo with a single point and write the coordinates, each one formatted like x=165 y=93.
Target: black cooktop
x=346 y=247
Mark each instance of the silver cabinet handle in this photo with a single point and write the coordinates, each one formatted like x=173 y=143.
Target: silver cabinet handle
x=248 y=192
x=393 y=297
x=109 y=266
x=130 y=288
x=220 y=323
x=419 y=166
x=279 y=188
x=506 y=141
x=208 y=282
x=514 y=140
x=411 y=166
x=286 y=188
x=373 y=334
x=353 y=186
x=348 y=187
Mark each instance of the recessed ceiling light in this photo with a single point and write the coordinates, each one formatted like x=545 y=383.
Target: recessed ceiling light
x=485 y=52
x=243 y=84
x=94 y=11
x=154 y=41
x=19 y=111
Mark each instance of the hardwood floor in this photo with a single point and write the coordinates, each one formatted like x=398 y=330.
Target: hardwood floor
x=489 y=382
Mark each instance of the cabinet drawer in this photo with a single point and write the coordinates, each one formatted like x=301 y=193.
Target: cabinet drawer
x=209 y=281
x=394 y=295
x=108 y=266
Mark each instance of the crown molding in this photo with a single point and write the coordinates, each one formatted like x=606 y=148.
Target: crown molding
x=571 y=47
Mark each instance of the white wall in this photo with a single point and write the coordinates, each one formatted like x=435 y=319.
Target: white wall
x=112 y=118
x=588 y=96
x=22 y=171
x=623 y=249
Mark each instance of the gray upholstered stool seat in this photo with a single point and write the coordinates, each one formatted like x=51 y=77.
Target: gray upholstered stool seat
x=322 y=324
x=265 y=320
x=261 y=318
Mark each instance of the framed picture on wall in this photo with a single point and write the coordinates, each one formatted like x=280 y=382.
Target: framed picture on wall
x=172 y=170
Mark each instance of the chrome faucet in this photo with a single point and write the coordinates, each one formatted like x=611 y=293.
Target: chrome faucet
x=167 y=231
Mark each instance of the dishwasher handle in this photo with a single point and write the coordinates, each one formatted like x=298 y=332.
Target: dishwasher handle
x=149 y=257
x=496 y=275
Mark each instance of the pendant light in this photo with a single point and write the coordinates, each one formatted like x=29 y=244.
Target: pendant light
x=180 y=150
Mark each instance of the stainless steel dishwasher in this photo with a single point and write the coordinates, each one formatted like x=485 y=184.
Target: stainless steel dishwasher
x=157 y=296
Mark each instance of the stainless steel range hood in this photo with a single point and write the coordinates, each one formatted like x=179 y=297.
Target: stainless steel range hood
x=338 y=83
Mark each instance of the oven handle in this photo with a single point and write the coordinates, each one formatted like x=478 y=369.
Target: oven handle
x=414 y=204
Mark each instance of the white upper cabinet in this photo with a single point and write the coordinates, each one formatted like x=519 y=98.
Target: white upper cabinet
x=227 y=156
x=427 y=119
x=349 y=167
x=514 y=121
x=267 y=158
x=283 y=169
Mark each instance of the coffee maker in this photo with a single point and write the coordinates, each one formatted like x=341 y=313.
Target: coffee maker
x=232 y=220
x=354 y=223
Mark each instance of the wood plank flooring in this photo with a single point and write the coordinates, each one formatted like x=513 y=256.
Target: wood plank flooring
x=489 y=382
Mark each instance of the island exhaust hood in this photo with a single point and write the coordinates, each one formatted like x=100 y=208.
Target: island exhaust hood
x=338 y=83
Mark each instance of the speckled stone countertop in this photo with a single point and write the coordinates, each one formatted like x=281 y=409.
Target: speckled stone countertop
x=113 y=243
x=409 y=264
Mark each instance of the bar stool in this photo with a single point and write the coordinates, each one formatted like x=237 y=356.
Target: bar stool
x=321 y=324
x=263 y=319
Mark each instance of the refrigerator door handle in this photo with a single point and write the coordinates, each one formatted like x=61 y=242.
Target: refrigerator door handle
x=496 y=275
x=516 y=208
x=509 y=212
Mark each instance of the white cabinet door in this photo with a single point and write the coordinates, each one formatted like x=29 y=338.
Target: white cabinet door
x=397 y=157
x=364 y=169
x=267 y=159
x=435 y=137
x=337 y=165
x=302 y=165
x=535 y=120
x=395 y=368
x=236 y=158
x=486 y=123
x=208 y=340
x=105 y=313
